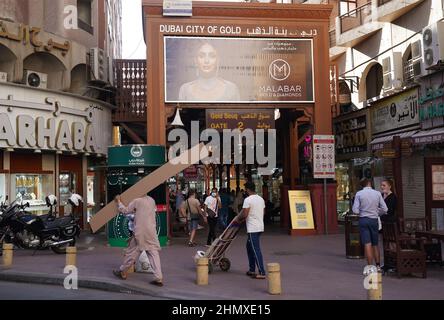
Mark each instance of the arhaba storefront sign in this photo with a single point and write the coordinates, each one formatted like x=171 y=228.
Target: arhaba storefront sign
x=396 y=112
x=60 y=122
x=238 y=70
x=239 y=119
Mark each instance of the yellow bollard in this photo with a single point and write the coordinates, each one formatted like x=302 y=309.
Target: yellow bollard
x=202 y=272
x=375 y=287
x=274 y=278
x=8 y=250
x=71 y=256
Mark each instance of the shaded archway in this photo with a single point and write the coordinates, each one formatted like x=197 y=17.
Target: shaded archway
x=7 y=61
x=48 y=64
x=79 y=79
x=371 y=81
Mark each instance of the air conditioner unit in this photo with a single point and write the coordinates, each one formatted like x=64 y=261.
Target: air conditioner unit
x=35 y=79
x=416 y=49
x=392 y=70
x=99 y=64
x=433 y=44
x=3 y=77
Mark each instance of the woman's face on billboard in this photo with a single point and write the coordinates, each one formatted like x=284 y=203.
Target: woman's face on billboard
x=207 y=59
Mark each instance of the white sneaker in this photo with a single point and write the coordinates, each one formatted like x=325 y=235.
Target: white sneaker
x=199 y=227
x=369 y=269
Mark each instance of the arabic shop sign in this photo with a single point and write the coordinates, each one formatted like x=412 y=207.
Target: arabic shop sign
x=26 y=34
x=429 y=107
x=351 y=135
x=44 y=133
x=395 y=112
x=239 y=119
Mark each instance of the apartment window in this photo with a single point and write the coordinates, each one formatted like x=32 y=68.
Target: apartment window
x=347 y=6
x=84 y=8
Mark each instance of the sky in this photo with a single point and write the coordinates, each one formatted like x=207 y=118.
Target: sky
x=133 y=42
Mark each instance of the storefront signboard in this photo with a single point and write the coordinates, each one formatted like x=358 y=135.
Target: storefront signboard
x=301 y=209
x=352 y=136
x=395 y=112
x=35 y=119
x=136 y=156
x=324 y=156
x=431 y=108
x=239 y=119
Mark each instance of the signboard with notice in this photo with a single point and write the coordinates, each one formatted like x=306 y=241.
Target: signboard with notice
x=324 y=156
x=395 y=112
x=239 y=119
x=301 y=209
x=178 y=8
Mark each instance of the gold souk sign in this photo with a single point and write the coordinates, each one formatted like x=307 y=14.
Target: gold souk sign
x=27 y=34
x=240 y=119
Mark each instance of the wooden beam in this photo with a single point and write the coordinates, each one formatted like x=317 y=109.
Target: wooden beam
x=150 y=182
x=132 y=134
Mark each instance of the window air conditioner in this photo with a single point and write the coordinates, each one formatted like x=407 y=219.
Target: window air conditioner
x=36 y=79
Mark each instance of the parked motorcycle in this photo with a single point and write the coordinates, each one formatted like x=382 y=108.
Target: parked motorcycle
x=29 y=231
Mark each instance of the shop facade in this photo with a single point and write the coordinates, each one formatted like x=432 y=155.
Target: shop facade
x=395 y=119
x=353 y=156
x=53 y=143
x=427 y=159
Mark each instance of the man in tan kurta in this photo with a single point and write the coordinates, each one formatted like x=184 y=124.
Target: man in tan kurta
x=144 y=239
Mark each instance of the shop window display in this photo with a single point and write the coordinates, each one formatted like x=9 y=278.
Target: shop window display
x=2 y=187
x=32 y=188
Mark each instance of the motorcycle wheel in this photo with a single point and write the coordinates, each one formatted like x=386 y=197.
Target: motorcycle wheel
x=61 y=249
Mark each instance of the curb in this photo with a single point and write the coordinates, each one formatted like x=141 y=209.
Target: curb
x=99 y=284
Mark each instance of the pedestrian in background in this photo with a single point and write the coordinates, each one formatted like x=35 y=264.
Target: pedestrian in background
x=369 y=204
x=212 y=205
x=223 y=212
x=390 y=200
x=192 y=210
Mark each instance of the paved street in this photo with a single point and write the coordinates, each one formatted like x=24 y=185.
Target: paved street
x=312 y=268
x=23 y=291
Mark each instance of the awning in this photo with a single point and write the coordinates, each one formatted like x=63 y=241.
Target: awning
x=378 y=143
x=429 y=136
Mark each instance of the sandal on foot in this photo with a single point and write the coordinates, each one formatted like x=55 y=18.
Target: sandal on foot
x=259 y=276
x=119 y=274
x=157 y=283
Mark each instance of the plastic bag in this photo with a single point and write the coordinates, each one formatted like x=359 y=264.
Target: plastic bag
x=143 y=264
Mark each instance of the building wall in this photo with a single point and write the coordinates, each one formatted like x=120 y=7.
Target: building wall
x=392 y=38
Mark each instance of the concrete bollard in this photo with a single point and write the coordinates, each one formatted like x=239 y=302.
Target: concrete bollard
x=202 y=272
x=71 y=256
x=375 y=287
x=8 y=250
x=274 y=278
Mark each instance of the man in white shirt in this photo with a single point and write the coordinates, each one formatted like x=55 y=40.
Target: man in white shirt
x=253 y=212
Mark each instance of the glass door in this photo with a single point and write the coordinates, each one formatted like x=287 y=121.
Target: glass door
x=67 y=186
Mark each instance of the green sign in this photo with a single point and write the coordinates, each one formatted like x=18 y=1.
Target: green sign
x=431 y=110
x=136 y=156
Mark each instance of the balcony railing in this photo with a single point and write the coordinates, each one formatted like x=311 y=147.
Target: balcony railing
x=131 y=99
x=356 y=17
x=382 y=2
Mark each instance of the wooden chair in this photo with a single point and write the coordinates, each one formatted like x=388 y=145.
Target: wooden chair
x=404 y=253
x=410 y=226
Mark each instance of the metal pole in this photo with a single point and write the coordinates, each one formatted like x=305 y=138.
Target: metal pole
x=325 y=206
